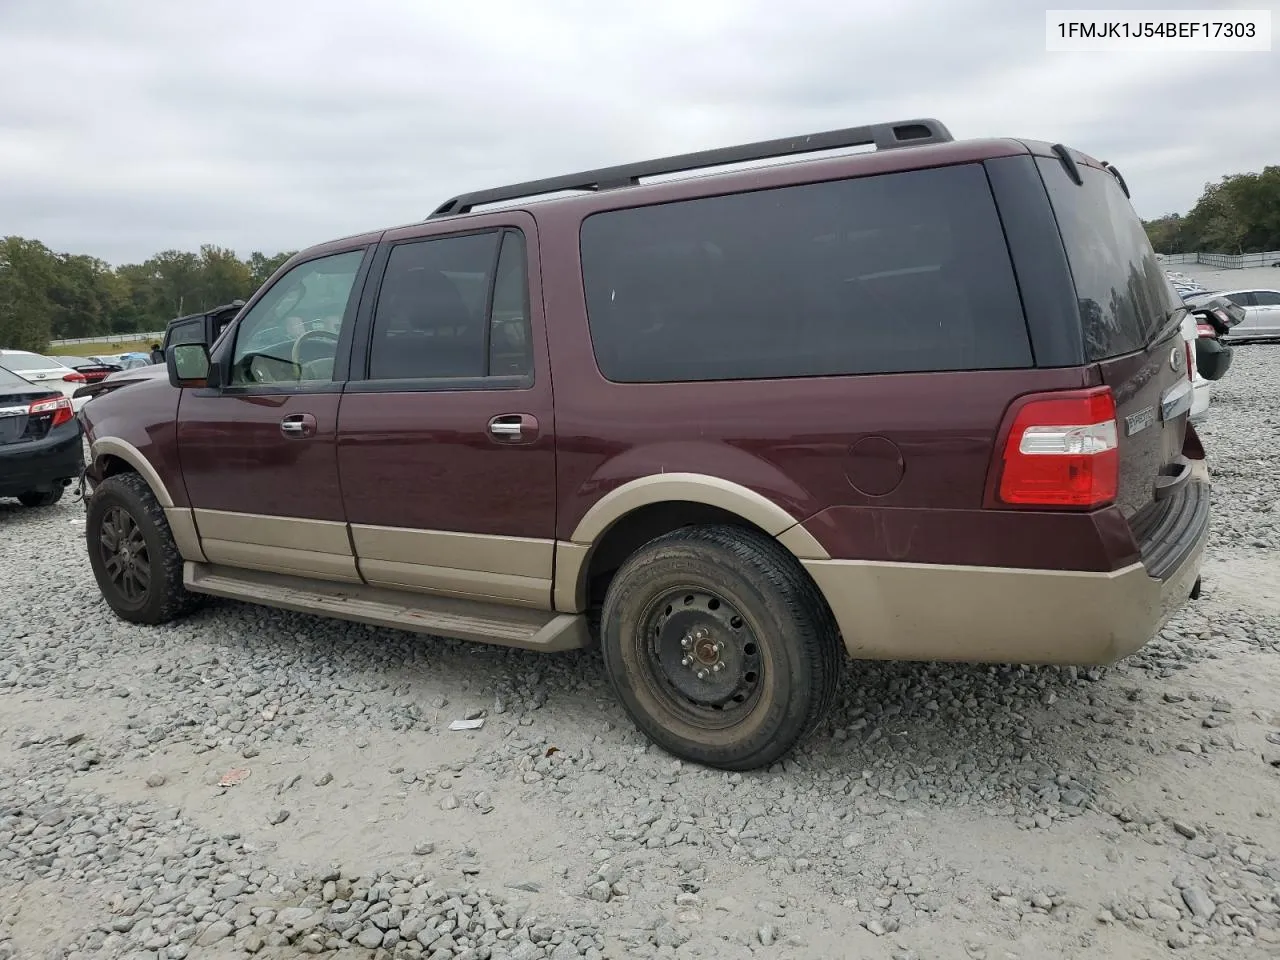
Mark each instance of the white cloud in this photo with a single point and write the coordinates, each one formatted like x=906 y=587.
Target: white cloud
x=137 y=125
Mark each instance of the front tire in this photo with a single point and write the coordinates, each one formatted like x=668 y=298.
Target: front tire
x=720 y=647
x=132 y=553
x=41 y=498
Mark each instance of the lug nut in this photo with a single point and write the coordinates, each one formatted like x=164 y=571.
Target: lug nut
x=702 y=674
x=718 y=667
x=687 y=642
x=685 y=661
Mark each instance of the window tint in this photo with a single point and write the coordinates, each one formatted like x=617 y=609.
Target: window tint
x=1241 y=299
x=1123 y=292
x=453 y=308
x=893 y=273
x=191 y=331
x=310 y=299
x=1266 y=298
x=510 y=346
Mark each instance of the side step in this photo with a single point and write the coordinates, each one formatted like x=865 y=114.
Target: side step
x=399 y=609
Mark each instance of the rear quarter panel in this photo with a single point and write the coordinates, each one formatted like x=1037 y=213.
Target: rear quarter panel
x=793 y=441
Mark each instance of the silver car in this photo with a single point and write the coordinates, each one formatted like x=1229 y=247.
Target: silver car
x=1261 y=313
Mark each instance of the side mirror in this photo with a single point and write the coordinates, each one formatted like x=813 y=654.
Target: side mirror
x=188 y=365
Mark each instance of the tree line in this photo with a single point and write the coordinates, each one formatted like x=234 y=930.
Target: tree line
x=46 y=295
x=1238 y=214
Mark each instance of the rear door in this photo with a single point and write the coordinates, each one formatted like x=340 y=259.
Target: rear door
x=446 y=440
x=1127 y=308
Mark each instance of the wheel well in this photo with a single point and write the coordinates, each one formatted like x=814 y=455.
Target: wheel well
x=640 y=526
x=112 y=465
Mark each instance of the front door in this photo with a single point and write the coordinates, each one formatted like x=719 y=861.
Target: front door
x=259 y=454
x=446 y=445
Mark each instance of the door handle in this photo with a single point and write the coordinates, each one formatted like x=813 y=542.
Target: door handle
x=511 y=427
x=298 y=425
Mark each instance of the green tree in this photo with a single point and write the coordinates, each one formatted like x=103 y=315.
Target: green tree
x=262 y=266
x=27 y=275
x=1240 y=213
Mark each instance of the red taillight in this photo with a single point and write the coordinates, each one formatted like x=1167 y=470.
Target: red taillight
x=1191 y=359
x=75 y=377
x=1205 y=330
x=1062 y=451
x=60 y=407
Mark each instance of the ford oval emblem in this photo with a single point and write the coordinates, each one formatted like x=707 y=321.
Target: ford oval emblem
x=1175 y=357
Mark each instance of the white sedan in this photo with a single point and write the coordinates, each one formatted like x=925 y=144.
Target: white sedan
x=45 y=371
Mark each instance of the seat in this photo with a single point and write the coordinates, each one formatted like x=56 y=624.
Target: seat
x=438 y=336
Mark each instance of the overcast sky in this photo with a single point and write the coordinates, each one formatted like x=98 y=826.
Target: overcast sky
x=131 y=126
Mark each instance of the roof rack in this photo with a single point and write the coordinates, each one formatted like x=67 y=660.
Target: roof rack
x=885 y=136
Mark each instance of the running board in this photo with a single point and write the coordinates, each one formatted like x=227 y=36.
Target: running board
x=453 y=617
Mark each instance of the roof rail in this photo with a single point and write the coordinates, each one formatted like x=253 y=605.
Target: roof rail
x=885 y=136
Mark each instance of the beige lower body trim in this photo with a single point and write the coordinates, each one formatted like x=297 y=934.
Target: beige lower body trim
x=311 y=548
x=570 y=592
x=452 y=582
x=515 y=570
x=182 y=524
x=903 y=611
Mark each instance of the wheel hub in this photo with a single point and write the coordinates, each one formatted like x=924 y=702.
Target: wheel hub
x=704 y=650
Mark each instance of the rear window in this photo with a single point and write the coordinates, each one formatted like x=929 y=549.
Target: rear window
x=24 y=362
x=11 y=381
x=888 y=274
x=1123 y=292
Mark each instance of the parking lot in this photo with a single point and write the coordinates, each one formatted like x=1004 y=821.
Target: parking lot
x=254 y=781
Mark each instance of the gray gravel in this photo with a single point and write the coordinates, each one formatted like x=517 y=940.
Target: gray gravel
x=254 y=782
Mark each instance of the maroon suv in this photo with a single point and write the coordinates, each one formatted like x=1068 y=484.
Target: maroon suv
x=927 y=403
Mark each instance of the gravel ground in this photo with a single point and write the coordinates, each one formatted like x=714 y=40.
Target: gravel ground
x=257 y=782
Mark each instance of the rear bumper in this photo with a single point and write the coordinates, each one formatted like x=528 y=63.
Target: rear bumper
x=42 y=464
x=908 y=611
x=1201 y=397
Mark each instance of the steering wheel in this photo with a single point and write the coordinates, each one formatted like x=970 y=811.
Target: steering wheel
x=312 y=335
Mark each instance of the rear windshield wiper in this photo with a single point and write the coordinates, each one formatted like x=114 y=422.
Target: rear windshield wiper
x=1172 y=320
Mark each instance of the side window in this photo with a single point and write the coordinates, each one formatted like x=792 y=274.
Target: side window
x=189 y=332
x=883 y=274
x=510 y=346
x=290 y=336
x=453 y=308
x=1242 y=299
x=1266 y=298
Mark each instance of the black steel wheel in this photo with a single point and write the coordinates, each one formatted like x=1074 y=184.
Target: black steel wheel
x=132 y=552
x=703 y=659
x=719 y=646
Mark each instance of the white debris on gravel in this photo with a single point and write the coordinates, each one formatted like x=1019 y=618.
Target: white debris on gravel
x=254 y=782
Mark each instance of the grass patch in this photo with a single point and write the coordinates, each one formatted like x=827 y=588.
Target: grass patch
x=127 y=345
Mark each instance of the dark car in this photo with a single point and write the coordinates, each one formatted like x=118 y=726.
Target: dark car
x=91 y=368
x=41 y=446
x=928 y=402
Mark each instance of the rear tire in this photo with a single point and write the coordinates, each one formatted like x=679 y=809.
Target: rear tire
x=44 y=498
x=720 y=647
x=132 y=553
